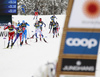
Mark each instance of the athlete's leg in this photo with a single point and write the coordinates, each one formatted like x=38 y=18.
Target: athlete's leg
x=16 y=37
x=40 y=32
x=9 y=36
x=12 y=36
x=20 y=35
x=25 y=34
x=15 y=40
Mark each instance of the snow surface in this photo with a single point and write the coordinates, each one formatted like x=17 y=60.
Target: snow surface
x=27 y=60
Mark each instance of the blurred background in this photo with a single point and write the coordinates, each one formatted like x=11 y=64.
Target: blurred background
x=46 y=7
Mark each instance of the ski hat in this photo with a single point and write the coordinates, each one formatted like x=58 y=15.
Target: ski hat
x=9 y=23
x=23 y=21
x=40 y=19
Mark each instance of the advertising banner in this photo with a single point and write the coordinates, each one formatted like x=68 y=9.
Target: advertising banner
x=85 y=14
x=81 y=43
x=80 y=40
x=78 y=65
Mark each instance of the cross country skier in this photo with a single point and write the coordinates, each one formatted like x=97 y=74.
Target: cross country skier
x=37 y=26
x=23 y=8
x=24 y=34
x=11 y=33
x=19 y=34
x=53 y=18
x=40 y=24
x=54 y=29
x=57 y=28
x=50 y=25
x=36 y=12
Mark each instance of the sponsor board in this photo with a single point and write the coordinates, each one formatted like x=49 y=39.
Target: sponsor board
x=85 y=14
x=81 y=43
x=78 y=65
x=80 y=39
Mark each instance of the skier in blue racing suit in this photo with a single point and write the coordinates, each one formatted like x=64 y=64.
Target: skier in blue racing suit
x=23 y=8
x=24 y=34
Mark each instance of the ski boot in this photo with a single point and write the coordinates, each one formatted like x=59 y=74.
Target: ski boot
x=49 y=31
x=53 y=36
x=26 y=42
x=44 y=40
x=21 y=43
x=12 y=45
x=56 y=35
x=7 y=46
x=40 y=38
x=36 y=40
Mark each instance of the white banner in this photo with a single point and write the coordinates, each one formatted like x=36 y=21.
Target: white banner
x=85 y=14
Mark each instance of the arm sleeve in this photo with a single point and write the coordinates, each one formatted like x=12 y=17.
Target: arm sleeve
x=14 y=27
x=6 y=28
x=18 y=24
x=43 y=23
x=27 y=24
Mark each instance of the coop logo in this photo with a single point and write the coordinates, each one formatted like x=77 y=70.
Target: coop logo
x=78 y=67
x=89 y=43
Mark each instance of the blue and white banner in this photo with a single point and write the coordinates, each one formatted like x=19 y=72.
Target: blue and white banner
x=81 y=43
x=8 y=7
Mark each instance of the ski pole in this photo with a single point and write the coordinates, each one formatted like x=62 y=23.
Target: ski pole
x=4 y=36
